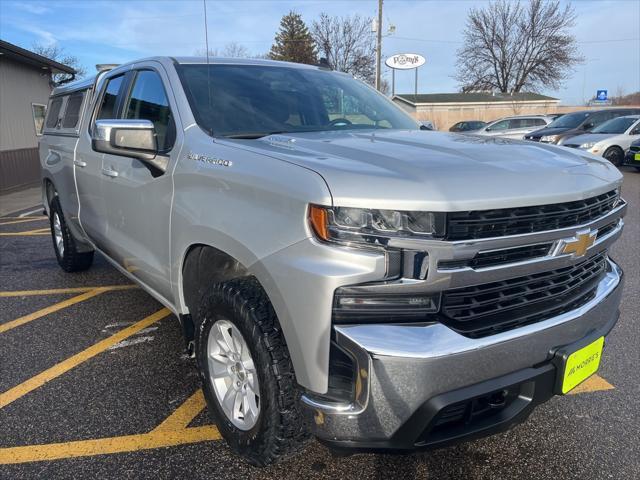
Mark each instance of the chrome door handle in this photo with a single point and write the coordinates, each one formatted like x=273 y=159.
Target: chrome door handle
x=109 y=173
x=80 y=163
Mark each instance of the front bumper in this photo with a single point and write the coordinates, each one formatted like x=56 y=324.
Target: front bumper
x=410 y=377
x=630 y=159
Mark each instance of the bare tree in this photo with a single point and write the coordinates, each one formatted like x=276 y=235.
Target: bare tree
x=511 y=47
x=58 y=54
x=230 y=50
x=347 y=43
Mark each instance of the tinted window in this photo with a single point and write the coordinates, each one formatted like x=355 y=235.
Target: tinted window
x=72 y=112
x=54 y=112
x=148 y=101
x=108 y=106
x=569 y=120
x=254 y=100
x=616 y=125
x=538 y=121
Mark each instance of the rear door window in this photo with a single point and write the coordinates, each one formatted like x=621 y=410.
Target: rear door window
x=109 y=105
x=148 y=101
x=54 y=112
x=72 y=112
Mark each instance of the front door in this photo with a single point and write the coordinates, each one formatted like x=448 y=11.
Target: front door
x=88 y=165
x=138 y=195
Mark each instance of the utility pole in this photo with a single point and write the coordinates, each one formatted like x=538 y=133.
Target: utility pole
x=379 y=45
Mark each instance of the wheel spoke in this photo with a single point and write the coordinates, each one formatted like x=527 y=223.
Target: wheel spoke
x=228 y=402
x=251 y=401
x=226 y=337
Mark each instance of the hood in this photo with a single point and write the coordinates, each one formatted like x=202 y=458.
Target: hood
x=550 y=131
x=590 y=137
x=419 y=170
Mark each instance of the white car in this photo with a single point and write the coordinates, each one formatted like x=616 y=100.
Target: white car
x=515 y=127
x=610 y=140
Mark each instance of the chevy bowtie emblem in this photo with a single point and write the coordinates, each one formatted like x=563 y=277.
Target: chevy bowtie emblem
x=578 y=245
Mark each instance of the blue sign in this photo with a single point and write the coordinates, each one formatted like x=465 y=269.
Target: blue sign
x=601 y=95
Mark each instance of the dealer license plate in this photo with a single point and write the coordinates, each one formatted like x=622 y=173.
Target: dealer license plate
x=581 y=364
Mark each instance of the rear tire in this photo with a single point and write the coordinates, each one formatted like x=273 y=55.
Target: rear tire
x=615 y=155
x=65 y=246
x=278 y=429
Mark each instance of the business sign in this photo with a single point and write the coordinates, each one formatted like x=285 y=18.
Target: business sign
x=602 y=95
x=405 y=61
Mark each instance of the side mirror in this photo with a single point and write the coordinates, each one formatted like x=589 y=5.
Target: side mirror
x=588 y=126
x=129 y=138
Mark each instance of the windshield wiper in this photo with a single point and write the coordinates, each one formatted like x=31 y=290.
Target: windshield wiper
x=253 y=135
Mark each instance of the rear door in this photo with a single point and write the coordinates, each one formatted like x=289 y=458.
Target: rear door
x=138 y=195
x=519 y=127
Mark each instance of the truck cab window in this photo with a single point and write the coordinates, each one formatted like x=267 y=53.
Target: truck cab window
x=54 y=112
x=72 y=112
x=148 y=101
x=109 y=101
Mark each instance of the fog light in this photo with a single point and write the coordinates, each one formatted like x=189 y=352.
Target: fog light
x=360 y=304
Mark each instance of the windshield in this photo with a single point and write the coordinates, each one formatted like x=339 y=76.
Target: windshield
x=615 y=125
x=249 y=101
x=569 y=120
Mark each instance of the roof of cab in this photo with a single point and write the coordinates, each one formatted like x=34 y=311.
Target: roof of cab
x=90 y=81
x=240 y=61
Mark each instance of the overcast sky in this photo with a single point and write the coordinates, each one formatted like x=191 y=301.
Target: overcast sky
x=118 y=31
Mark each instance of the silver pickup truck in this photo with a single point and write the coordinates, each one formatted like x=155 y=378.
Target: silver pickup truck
x=336 y=270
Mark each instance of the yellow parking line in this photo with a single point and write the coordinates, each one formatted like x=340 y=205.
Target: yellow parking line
x=103 y=446
x=173 y=431
x=594 y=383
x=23 y=220
x=50 y=309
x=27 y=386
x=38 y=231
x=58 y=291
x=184 y=415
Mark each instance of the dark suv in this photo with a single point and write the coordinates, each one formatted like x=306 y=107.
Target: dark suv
x=576 y=123
x=632 y=157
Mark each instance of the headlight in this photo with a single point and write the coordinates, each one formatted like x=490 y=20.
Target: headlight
x=549 y=138
x=587 y=145
x=373 y=227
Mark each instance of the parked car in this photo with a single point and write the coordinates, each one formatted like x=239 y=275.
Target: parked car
x=632 y=157
x=514 y=127
x=427 y=125
x=468 y=126
x=610 y=140
x=337 y=273
x=577 y=123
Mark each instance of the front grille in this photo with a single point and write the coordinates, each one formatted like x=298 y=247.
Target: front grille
x=494 y=307
x=471 y=225
x=499 y=257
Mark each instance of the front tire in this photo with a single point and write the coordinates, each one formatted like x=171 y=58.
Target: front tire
x=247 y=375
x=65 y=246
x=615 y=155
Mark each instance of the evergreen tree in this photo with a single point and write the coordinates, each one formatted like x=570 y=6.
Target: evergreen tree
x=293 y=42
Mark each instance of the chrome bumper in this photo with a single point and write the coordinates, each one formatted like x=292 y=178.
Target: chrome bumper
x=400 y=367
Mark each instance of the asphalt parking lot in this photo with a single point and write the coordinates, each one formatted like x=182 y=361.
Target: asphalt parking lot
x=94 y=382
